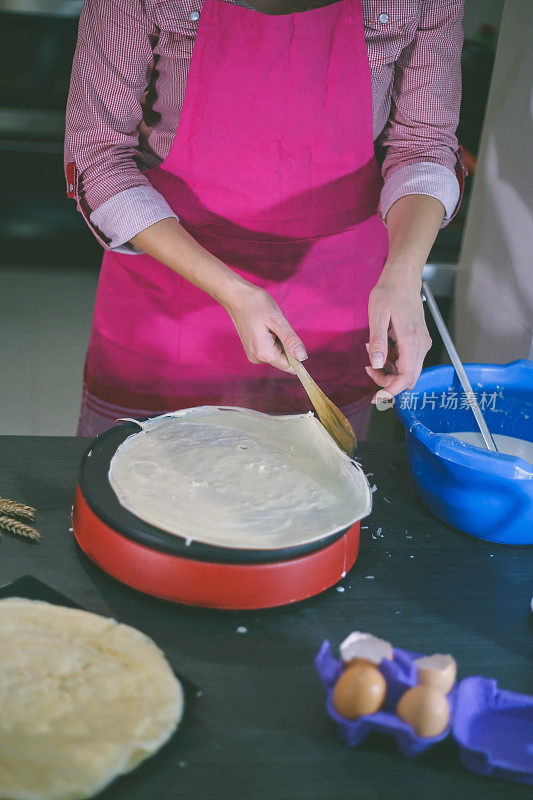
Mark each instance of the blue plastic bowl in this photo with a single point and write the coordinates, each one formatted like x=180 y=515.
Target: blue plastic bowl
x=484 y=494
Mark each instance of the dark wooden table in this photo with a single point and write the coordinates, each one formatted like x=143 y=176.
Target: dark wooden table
x=260 y=732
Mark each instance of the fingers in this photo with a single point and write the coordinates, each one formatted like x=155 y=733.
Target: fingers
x=396 y=311
x=267 y=350
x=399 y=384
x=378 y=320
x=264 y=331
x=289 y=339
x=412 y=348
x=389 y=368
x=383 y=377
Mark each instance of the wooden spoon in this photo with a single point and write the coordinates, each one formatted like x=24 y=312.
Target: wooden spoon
x=329 y=415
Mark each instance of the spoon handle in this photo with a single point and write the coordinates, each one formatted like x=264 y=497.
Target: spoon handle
x=458 y=366
x=329 y=415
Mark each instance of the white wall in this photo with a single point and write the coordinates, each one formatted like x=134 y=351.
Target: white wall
x=45 y=318
x=494 y=285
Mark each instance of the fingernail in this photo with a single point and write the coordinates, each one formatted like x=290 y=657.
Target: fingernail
x=367 y=345
x=299 y=352
x=377 y=359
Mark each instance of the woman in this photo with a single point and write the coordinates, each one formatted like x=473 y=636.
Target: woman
x=223 y=153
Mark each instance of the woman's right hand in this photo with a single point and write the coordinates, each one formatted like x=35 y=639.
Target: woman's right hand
x=259 y=322
x=261 y=326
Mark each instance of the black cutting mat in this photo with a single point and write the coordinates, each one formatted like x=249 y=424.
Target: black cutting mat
x=94 y=483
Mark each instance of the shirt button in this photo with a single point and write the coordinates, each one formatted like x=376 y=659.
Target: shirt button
x=194 y=16
x=383 y=18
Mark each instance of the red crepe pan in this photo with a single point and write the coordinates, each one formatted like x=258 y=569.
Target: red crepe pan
x=161 y=564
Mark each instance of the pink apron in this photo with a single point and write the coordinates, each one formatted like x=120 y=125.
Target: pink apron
x=272 y=169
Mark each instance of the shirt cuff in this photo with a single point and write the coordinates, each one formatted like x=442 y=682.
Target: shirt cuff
x=127 y=213
x=423 y=177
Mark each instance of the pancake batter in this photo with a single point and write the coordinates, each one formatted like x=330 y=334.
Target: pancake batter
x=239 y=478
x=507 y=445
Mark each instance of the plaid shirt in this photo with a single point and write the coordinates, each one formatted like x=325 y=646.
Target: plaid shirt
x=128 y=82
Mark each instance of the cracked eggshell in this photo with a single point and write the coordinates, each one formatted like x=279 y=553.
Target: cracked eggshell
x=439 y=671
x=365 y=647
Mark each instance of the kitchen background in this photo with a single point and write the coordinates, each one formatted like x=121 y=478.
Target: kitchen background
x=49 y=261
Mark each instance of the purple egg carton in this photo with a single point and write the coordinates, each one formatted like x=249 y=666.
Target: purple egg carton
x=492 y=727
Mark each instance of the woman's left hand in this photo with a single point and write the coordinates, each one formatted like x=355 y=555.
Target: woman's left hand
x=399 y=338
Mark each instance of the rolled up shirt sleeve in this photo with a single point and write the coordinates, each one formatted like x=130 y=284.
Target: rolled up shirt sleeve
x=110 y=73
x=421 y=149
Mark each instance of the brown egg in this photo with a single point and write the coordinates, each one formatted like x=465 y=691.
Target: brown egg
x=438 y=671
x=426 y=709
x=360 y=690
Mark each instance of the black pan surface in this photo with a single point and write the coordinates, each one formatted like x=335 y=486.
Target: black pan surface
x=99 y=495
